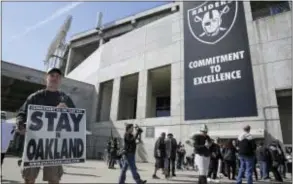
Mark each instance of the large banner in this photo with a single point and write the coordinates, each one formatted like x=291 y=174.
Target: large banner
x=218 y=72
x=55 y=136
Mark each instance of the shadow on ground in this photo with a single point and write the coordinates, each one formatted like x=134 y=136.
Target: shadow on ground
x=9 y=181
x=80 y=174
x=79 y=167
x=182 y=181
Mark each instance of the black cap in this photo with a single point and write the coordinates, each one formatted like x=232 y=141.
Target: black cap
x=52 y=70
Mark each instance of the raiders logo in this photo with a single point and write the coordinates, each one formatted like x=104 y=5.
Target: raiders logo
x=211 y=21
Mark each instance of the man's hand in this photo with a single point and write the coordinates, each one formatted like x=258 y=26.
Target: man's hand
x=62 y=105
x=208 y=144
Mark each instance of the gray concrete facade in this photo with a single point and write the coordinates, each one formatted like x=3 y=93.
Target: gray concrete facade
x=160 y=43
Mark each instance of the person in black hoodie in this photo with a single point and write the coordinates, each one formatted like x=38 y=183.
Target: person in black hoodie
x=276 y=158
x=230 y=159
x=263 y=158
x=247 y=149
x=214 y=161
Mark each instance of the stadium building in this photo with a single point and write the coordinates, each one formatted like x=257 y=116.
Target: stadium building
x=178 y=66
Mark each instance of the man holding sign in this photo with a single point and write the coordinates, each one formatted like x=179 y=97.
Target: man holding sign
x=46 y=97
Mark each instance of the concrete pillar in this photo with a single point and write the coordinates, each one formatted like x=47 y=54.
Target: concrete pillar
x=176 y=89
x=95 y=105
x=142 y=95
x=115 y=99
x=69 y=61
x=101 y=42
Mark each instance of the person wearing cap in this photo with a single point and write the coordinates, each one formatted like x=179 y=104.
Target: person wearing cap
x=247 y=149
x=50 y=96
x=202 y=144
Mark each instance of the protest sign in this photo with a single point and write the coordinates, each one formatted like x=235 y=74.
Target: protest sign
x=55 y=136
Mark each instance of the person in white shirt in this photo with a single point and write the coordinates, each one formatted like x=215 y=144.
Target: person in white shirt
x=6 y=136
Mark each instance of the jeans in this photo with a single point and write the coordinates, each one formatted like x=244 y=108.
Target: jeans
x=264 y=174
x=246 y=164
x=129 y=161
x=180 y=161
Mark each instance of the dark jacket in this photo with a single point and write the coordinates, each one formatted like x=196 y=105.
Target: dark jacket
x=247 y=145
x=130 y=143
x=215 y=151
x=229 y=154
x=42 y=97
x=275 y=153
x=199 y=145
x=160 y=147
x=171 y=147
x=262 y=154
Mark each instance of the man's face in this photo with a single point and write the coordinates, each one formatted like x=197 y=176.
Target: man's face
x=53 y=80
x=234 y=143
x=130 y=130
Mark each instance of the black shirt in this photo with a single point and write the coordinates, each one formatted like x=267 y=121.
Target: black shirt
x=130 y=143
x=199 y=145
x=43 y=97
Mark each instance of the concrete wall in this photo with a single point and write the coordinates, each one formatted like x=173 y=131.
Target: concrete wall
x=161 y=43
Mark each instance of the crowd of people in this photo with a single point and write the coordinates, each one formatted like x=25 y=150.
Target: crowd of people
x=233 y=159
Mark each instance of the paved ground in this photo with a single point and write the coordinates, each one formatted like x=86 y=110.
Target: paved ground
x=97 y=172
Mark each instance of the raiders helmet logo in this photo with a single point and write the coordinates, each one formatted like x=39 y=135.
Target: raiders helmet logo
x=211 y=21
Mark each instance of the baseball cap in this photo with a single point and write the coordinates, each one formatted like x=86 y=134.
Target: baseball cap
x=52 y=70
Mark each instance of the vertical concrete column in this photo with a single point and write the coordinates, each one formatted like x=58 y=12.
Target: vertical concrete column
x=142 y=95
x=247 y=10
x=175 y=89
x=95 y=105
x=101 y=42
x=69 y=61
x=115 y=99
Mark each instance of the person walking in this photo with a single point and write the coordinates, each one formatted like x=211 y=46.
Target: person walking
x=113 y=153
x=129 y=155
x=202 y=144
x=180 y=155
x=229 y=157
x=214 y=162
x=159 y=154
x=247 y=149
x=50 y=96
x=262 y=154
x=276 y=158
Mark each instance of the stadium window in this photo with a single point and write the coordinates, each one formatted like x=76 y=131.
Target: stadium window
x=163 y=106
x=261 y=9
